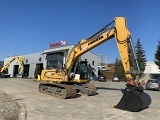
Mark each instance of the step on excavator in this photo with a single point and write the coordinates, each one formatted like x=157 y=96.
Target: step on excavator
x=73 y=77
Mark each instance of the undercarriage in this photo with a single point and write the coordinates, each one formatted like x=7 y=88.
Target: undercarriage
x=66 y=91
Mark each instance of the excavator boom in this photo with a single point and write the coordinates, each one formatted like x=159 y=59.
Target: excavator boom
x=123 y=39
x=9 y=62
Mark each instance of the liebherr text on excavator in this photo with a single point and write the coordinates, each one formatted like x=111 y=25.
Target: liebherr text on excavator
x=73 y=78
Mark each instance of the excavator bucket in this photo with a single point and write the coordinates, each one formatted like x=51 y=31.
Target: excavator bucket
x=134 y=99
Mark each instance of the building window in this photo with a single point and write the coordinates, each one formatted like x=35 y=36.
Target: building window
x=92 y=62
x=26 y=60
x=40 y=59
x=55 y=60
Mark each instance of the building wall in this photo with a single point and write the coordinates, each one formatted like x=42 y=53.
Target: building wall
x=33 y=59
x=89 y=56
x=65 y=50
x=93 y=61
x=151 y=67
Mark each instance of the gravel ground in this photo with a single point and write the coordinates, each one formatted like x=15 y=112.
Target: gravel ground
x=44 y=107
x=10 y=109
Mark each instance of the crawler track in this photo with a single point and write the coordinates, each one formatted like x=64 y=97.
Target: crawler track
x=87 y=89
x=66 y=91
x=58 y=90
x=91 y=89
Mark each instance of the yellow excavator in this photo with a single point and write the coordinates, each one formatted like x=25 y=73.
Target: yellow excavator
x=73 y=78
x=3 y=73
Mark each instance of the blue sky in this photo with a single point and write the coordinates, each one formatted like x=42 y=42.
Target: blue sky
x=29 y=26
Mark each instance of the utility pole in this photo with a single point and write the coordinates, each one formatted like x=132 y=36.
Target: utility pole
x=106 y=64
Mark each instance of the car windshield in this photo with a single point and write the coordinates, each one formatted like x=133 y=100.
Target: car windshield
x=101 y=75
x=155 y=81
x=155 y=76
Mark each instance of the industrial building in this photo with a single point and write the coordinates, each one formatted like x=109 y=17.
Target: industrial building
x=52 y=57
x=151 y=67
x=30 y=62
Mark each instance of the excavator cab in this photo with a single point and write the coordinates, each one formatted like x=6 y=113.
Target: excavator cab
x=83 y=70
x=80 y=72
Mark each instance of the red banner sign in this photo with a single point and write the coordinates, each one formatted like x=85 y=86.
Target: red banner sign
x=58 y=44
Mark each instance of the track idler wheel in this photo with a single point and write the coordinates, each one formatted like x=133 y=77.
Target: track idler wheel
x=134 y=99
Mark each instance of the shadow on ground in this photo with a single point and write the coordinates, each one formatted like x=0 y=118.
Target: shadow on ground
x=104 y=88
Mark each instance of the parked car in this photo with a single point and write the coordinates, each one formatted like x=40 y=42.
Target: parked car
x=102 y=78
x=153 y=84
x=115 y=79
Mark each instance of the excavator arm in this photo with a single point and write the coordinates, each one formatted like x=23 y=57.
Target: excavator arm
x=20 y=64
x=123 y=38
x=10 y=61
x=7 y=65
